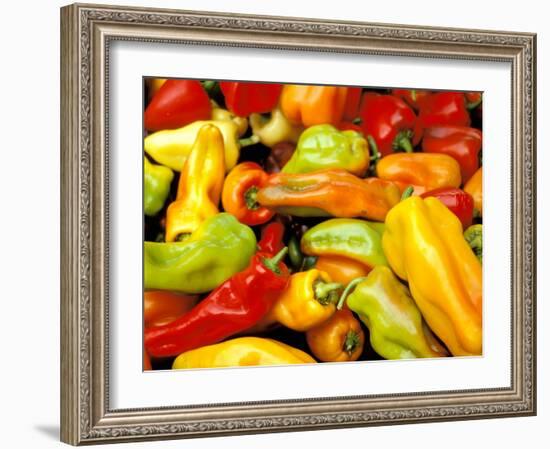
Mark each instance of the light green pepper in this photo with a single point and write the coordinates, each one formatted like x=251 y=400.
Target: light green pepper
x=156 y=186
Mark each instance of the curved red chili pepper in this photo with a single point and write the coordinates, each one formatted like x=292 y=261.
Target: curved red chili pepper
x=458 y=201
x=243 y=98
x=272 y=238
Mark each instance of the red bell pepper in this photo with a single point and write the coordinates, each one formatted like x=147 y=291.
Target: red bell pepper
x=413 y=97
x=389 y=121
x=351 y=107
x=473 y=100
x=244 y=99
x=457 y=201
x=443 y=108
x=234 y=306
x=176 y=104
x=460 y=142
x=239 y=194
x=272 y=238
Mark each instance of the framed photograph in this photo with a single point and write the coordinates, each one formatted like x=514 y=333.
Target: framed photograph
x=280 y=224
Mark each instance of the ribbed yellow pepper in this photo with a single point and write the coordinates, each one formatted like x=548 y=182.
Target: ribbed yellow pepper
x=172 y=147
x=244 y=351
x=424 y=245
x=200 y=185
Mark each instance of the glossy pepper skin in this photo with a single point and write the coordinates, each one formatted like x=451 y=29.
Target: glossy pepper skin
x=156 y=187
x=219 y=115
x=325 y=147
x=237 y=304
x=244 y=99
x=239 y=193
x=200 y=185
x=172 y=147
x=460 y=142
x=218 y=249
x=421 y=169
x=309 y=299
x=320 y=193
x=474 y=187
x=397 y=330
x=341 y=269
x=275 y=129
x=243 y=351
x=443 y=109
x=424 y=245
x=176 y=104
x=413 y=97
x=161 y=307
x=457 y=201
x=354 y=239
x=338 y=339
x=313 y=105
x=272 y=238
x=389 y=121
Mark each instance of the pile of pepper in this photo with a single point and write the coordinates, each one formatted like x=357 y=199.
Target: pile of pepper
x=302 y=224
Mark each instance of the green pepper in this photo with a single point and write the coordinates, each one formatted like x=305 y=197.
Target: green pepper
x=347 y=237
x=156 y=186
x=474 y=237
x=385 y=306
x=219 y=248
x=325 y=147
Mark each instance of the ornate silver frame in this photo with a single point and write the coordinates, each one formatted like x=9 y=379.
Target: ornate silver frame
x=86 y=32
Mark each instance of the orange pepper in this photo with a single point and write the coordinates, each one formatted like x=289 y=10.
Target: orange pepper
x=313 y=105
x=474 y=187
x=162 y=307
x=429 y=170
x=338 y=339
x=341 y=269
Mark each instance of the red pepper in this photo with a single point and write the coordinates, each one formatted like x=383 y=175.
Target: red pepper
x=351 y=107
x=412 y=97
x=460 y=142
x=457 y=201
x=244 y=99
x=272 y=238
x=239 y=194
x=388 y=122
x=473 y=100
x=443 y=108
x=234 y=306
x=176 y=104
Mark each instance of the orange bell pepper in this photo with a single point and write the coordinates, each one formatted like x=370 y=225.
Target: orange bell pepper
x=341 y=269
x=313 y=105
x=474 y=187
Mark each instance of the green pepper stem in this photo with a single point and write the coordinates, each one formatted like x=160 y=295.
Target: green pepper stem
x=348 y=290
x=356 y=121
x=250 y=198
x=324 y=292
x=473 y=104
x=247 y=141
x=209 y=85
x=351 y=342
x=413 y=95
x=372 y=144
x=273 y=262
x=403 y=142
x=407 y=193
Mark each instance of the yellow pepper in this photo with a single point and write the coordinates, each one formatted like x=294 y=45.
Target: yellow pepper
x=424 y=245
x=309 y=299
x=243 y=351
x=220 y=114
x=474 y=187
x=172 y=147
x=199 y=187
x=274 y=130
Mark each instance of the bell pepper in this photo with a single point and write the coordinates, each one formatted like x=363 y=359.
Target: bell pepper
x=443 y=109
x=397 y=330
x=460 y=142
x=161 y=307
x=220 y=114
x=389 y=122
x=243 y=351
x=341 y=269
x=218 y=249
x=339 y=339
x=272 y=238
x=237 y=304
x=245 y=98
x=313 y=105
x=474 y=187
x=176 y=104
x=424 y=245
x=156 y=186
x=457 y=201
x=474 y=237
x=172 y=147
x=275 y=129
x=324 y=147
x=413 y=97
x=422 y=169
x=351 y=238
x=239 y=194
x=308 y=300
x=200 y=185
x=321 y=193
x=473 y=99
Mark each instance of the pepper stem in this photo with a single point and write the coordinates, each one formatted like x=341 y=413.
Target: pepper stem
x=372 y=144
x=413 y=95
x=250 y=198
x=473 y=104
x=326 y=292
x=273 y=263
x=407 y=193
x=348 y=290
x=351 y=342
x=208 y=85
x=247 y=141
x=403 y=142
